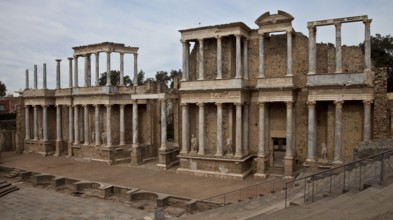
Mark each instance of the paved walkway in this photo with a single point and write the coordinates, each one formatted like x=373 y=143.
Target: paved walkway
x=146 y=177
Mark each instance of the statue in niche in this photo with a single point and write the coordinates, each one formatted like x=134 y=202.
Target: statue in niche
x=194 y=143
x=169 y=112
x=103 y=137
x=93 y=137
x=229 y=146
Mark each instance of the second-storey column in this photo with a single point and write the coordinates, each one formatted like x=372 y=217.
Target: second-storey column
x=27 y=122
x=245 y=58
x=338 y=48
x=261 y=68
x=367 y=45
x=44 y=76
x=70 y=72
x=185 y=147
x=135 y=81
x=201 y=150
x=289 y=53
x=58 y=73
x=86 y=124
x=337 y=132
x=311 y=132
x=239 y=136
x=219 y=130
x=121 y=69
x=201 y=61
x=35 y=77
x=312 y=53
x=97 y=125
x=76 y=71
x=186 y=52
x=219 y=58
x=163 y=125
x=238 y=57
x=97 y=55
x=108 y=68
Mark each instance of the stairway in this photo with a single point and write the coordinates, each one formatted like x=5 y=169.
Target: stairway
x=6 y=188
x=276 y=171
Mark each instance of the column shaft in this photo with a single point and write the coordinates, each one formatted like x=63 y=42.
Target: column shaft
x=245 y=130
x=289 y=151
x=367 y=45
x=163 y=125
x=135 y=140
x=261 y=128
x=219 y=130
x=86 y=124
x=108 y=126
x=219 y=58
x=201 y=150
x=186 y=52
x=121 y=69
x=45 y=123
x=289 y=53
x=35 y=123
x=239 y=136
x=367 y=120
x=245 y=58
x=337 y=133
x=261 y=68
x=108 y=68
x=135 y=81
x=44 y=76
x=35 y=77
x=70 y=72
x=338 y=48
x=311 y=132
x=76 y=125
x=122 y=133
x=238 y=57
x=87 y=56
x=311 y=50
x=70 y=124
x=201 y=60
x=27 y=122
x=76 y=72
x=97 y=125
x=185 y=148
x=27 y=79
x=58 y=74
x=97 y=69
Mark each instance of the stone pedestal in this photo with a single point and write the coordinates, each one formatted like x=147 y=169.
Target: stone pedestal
x=288 y=167
x=262 y=166
x=168 y=158
x=59 y=148
x=69 y=154
x=44 y=148
x=136 y=155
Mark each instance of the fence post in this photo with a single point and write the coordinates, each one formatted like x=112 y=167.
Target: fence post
x=330 y=183
x=360 y=176
x=286 y=194
x=305 y=190
x=382 y=163
x=312 y=192
x=344 y=181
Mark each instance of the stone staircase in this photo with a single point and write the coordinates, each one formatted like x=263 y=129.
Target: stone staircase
x=6 y=188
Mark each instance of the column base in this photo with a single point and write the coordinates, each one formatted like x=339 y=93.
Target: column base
x=338 y=162
x=288 y=166
x=59 y=148
x=262 y=167
x=69 y=154
x=238 y=155
x=167 y=158
x=136 y=155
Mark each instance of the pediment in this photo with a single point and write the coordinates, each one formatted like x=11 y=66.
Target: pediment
x=271 y=19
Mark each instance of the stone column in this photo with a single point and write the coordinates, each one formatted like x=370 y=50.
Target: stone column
x=81 y=124
x=289 y=53
x=245 y=57
x=76 y=125
x=201 y=127
x=238 y=57
x=201 y=60
x=135 y=140
x=312 y=65
x=261 y=68
x=35 y=77
x=122 y=133
x=338 y=48
x=135 y=69
x=97 y=69
x=367 y=120
x=121 y=69
x=76 y=71
x=27 y=79
x=86 y=124
x=58 y=73
x=70 y=124
x=219 y=152
x=163 y=125
x=261 y=129
x=44 y=76
x=27 y=122
x=45 y=123
x=87 y=58
x=367 y=45
x=108 y=68
x=186 y=52
x=311 y=132
x=289 y=151
x=337 y=132
x=108 y=125
x=35 y=122
x=58 y=123
x=185 y=147
x=70 y=72
x=219 y=58
x=97 y=125
x=239 y=136
x=245 y=130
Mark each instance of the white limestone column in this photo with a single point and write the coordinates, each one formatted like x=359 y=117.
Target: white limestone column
x=311 y=50
x=35 y=122
x=86 y=70
x=261 y=128
x=289 y=53
x=367 y=120
x=108 y=68
x=135 y=81
x=76 y=71
x=311 y=132
x=201 y=127
x=245 y=58
x=97 y=125
x=337 y=132
x=122 y=133
x=238 y=57
x=70 y=72
x=367 y=45
x=44 y=76
x=338 y=48
x=58 y=73
x=81 y=124
x=219 y=152
x=45 y=123
x=27 y=122
x=97 y=55
x=163 y=125
x=201 y=61
x=86 y=124
x=35 y=77
x=185 y=147
x=219 y=57
x=261 y=68
x=245 y=130
x=186 y=52
x=58 y=123
x=239 y=136
x=121 y=69
x=135 y=140
x=70 y=124
x=289 y=150
x=108 y=125
x=27 y=79
x=76 y=124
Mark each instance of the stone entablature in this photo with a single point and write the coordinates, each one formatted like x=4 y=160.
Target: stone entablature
x=342 y=94
x=214 y=97
x=104 y=47
x=236 y=28
x=270 y=83
x=212 y=84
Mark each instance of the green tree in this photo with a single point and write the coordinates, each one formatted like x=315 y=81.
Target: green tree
x=173 y=74
x=141 y=77
x=115 y=79
x=162 y=76
x=3 y=89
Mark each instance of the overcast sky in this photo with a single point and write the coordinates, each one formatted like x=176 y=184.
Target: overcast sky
x=40 y=31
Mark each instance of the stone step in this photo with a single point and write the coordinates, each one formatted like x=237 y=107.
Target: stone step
x=6 y=190
x=5 y=184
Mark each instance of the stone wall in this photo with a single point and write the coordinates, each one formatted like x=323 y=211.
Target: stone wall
x=381 y=117
x=20 y=126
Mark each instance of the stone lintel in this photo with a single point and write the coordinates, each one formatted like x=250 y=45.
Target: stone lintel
x=337 y=20
x=104 y=47
x=213 y=31
x=276 y=96
x=214 y=97
x=212 y=84
x=335 y=94
x=281 y=82
x=40 y=101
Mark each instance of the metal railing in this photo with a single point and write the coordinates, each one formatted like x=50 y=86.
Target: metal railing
x=358 y=174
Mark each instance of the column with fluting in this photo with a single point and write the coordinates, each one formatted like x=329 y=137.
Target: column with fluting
x=238 y=57
x=312 y=65
x=262 y=133
x=135 y=124
x=201 y=75
x=27 y=122
x=108 y=125
x=76 y=125
x=35 y=122
x=87 y=58
x=122 y=132
x=58 y=73
x=289 y=132
x=261 y=69
x=219 y=130
x=338 y=48
x=76 y=71
x=245 y=130
x=185 y=147
x=135 y=81
x=201 y=127
x=121 y=69
x=58 y=123
x=44 y=76
x=239 y=136
x=219 y=57
x=163 y=125
x=86 y=124
x=45 y=123
x=186 y=52
x=70 y=72
x=367 y=120
x=97 y=124
x=311 y=132
x=367 y=45
x=97 y=55
x=245 y=58
x=70 y=124
x=108 y=68
x=337 y=132
x=289 y=53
